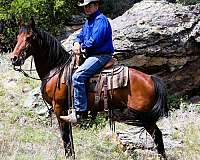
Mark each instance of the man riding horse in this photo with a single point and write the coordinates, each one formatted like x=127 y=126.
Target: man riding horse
x=96 y=39
x=141 y=100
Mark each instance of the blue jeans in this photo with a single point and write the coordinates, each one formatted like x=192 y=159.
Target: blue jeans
x=91 y=66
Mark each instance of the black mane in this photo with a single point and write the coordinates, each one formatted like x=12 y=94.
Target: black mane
x=57 y=55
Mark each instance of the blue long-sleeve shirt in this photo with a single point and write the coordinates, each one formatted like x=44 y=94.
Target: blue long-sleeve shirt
x=96 y=35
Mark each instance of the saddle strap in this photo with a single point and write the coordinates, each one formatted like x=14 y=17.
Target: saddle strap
x=102 y=84
x=98 y=89
x=108 y=111
x=105 y=90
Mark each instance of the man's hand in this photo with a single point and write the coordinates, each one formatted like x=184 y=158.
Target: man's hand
x=76 y=48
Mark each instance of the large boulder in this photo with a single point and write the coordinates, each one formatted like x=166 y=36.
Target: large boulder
x=154 y=33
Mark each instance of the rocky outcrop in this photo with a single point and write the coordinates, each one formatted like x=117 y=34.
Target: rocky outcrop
x=154 y=33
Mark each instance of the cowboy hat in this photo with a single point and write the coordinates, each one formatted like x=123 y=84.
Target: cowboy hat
x=86 y=2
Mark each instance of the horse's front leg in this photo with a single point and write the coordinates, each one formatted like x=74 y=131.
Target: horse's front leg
x=66 y=132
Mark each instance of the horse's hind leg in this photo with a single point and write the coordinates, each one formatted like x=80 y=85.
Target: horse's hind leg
x=156 y=134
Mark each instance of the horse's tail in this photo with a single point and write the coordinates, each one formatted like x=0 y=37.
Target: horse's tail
x=160 y=108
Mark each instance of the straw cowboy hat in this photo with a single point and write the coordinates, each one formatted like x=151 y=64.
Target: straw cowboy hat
x=86 y=2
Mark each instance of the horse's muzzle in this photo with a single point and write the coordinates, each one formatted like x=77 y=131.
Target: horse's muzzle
x=16 y=61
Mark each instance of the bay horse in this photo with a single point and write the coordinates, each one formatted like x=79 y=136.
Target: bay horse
x=144 y=97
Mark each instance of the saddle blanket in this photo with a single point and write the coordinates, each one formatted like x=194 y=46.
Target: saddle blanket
x=117 y=77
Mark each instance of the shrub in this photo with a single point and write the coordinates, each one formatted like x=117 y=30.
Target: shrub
x=50 y=15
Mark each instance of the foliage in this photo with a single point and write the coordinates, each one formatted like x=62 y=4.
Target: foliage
x=98 y=123
x=174 y=102
x=183 y=103
x=51 y=15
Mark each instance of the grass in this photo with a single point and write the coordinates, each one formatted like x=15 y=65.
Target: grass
x=24 y=135
x=186 y=128
x=192 y=140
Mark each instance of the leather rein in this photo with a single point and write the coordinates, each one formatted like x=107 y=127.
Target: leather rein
x=19 y=69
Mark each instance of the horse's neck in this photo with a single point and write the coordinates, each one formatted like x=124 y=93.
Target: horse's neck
x=41 y=64
x=44 y=57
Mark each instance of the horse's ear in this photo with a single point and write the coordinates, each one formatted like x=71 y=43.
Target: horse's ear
x=32 y=23
x=21 y=22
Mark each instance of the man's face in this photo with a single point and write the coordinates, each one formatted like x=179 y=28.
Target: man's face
x=90 y=8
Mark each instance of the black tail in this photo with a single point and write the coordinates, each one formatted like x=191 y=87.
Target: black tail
x=160 y=108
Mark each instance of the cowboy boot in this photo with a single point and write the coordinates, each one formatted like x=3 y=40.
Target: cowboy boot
x=71 y=118
x=74 y=116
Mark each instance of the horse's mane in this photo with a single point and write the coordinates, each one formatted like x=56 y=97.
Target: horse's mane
x=57 y=55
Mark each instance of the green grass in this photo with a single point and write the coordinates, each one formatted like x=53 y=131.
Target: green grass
x=28 y=82
x=2 y=92
x=192 y=138
x=34 y=135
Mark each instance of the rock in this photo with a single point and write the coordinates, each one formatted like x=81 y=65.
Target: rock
x=195 y=99
x=174 y=130
x=33 y=98
x=43 y=111
x=157 y=30
x=134 y=137
x=10 y=83
x=35 y=102
x=22 y=121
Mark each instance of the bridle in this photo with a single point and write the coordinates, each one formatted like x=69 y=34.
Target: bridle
x=24 y=51
x=23 y=56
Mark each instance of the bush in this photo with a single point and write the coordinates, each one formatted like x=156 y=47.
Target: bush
x=50 y=15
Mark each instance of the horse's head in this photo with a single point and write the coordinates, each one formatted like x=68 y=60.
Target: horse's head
x=24 y=40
